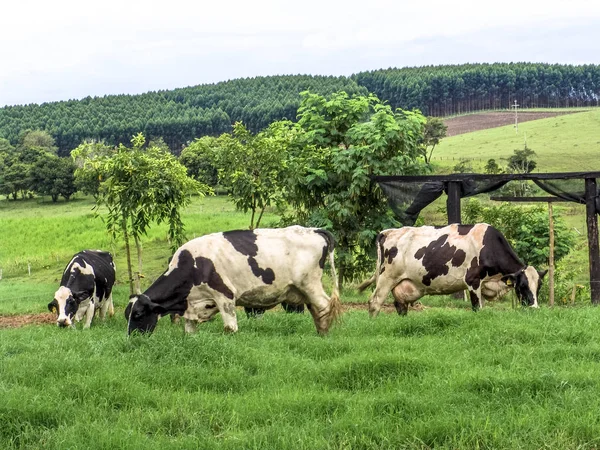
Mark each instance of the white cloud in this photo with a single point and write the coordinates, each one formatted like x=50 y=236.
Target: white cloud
x=51 y=50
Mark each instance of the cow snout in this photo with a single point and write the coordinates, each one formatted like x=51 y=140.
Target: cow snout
x=63 y=322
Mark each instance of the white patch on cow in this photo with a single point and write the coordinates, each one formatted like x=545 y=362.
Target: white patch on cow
x=61 y=296
x=533 y=278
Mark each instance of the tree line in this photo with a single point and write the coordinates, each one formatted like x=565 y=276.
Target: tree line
x=181 y=115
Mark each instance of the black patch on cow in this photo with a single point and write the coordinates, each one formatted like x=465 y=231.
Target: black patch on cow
x=463 y=230
x=267 y=275
x=390 y=254
x=458 y=258
x=206 y=273
x=473 y=275
x=244 y=242
x=436 y=257
x=330 y=241
x=474 y=300
x=380 y=242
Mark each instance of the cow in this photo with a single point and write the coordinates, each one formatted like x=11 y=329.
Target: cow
x=416 y=261
x=86 y=285
x=251 y=268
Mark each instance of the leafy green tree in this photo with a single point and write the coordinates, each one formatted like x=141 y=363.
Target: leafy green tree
x=53 y=176
x=37 y=138
x=14 y=180
x=433 y=132
x=521 y=162
x=253 y=167
x=492 y=167
x=344 y=140
x=89 y=159
x=199 y=158
x=464 y=165
x=140 y=186
x=526 y=228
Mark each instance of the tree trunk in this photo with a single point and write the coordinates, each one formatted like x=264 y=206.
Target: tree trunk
x=138 y=275
x=127 y=254
x=260 y=216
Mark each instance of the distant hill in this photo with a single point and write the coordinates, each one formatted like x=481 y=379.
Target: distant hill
x=563 y=143
x=180 y=115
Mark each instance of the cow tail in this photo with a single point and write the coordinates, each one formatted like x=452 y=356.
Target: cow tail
x=365 y=284
x=335 y=304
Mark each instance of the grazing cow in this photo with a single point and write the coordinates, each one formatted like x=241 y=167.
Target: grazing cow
x=86 y=285
x=252 y=268
x=417 y=261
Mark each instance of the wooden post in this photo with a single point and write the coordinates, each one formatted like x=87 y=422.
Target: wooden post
x=592 y=229
x=453 y=202
x=551 y=256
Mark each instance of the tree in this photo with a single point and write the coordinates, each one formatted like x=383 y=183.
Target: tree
x=433 y=132
x=253 y=167
x=343 y=142
x=53 y=176
x=89 y=158
x=199 y=158
x=521 y=162
x=139 y=186
x=492 y=167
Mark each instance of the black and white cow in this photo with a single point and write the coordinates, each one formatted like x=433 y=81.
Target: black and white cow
x=417 y=261
x=252 y=268
x=86 y=285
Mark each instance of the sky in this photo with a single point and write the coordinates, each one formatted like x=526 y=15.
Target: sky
x=69 y=49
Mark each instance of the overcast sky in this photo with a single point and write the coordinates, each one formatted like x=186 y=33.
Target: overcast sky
x=62 y=49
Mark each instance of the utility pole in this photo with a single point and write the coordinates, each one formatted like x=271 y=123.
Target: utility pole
x=516 y=118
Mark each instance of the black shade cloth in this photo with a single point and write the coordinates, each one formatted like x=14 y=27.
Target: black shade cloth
x=407 y=198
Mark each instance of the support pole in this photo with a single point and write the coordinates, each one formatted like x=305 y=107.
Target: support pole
x=551 y=256
x=592 y=229
x=453 y=202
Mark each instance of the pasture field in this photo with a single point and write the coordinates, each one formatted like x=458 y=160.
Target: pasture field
x=519 y=379
x=565 y=143
x=442 y=377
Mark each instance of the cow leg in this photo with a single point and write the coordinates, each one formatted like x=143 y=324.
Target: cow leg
x=89 y=314
x=476 y=300
x=226 y=307
x=384 y=286
x=404 y=293
x=319 y=307
x=107 y=305
x=190 y=326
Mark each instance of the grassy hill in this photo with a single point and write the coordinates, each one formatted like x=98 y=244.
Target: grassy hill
x=566 y=143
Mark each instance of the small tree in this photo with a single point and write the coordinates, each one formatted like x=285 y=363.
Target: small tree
x=89 y=159
x=53 y=176
x=141 y=185
x=199 y=158
x=253 y=167
x=433 y=132
x=521 y=162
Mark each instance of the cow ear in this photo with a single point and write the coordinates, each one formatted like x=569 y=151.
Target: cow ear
x=509 y=279
x=157 y=309
x=53 y=306
x=128 y=311
x=542 y=273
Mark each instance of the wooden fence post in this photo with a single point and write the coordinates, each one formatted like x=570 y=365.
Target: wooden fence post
x=551 y=256
x=453 y=202
x=592 y=228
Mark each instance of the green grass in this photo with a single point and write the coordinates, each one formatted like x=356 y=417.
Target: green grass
x=41 y=236
x=440 y=378
x=568 y=143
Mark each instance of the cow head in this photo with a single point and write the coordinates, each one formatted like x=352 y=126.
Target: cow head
x=142 y=314
x=527 y=283
x=64 y=306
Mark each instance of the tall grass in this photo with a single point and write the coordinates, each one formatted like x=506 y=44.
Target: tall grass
x=443 y=379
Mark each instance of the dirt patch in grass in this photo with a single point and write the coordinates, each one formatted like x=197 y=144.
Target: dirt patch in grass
x=483 y=121
x=27 y=319
x=21 y=320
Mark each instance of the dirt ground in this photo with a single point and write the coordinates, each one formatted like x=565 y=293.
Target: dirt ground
x=18 y=321
x=482 y=121
x=26 y=319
